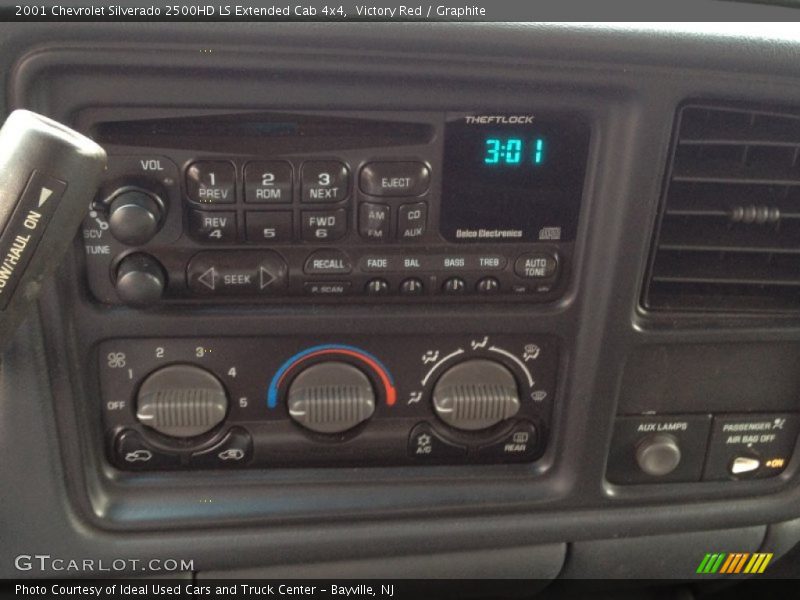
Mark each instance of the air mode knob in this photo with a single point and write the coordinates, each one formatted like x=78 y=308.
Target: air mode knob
x=181 y=401
x=476 y=394
x=331 y=397
x=140 y=279
x=134 y=216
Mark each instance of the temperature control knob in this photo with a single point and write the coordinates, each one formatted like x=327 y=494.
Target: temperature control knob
x=134 y=216
x=140 y=279
x=181 y=401
x=331 y=397
x=476 y=394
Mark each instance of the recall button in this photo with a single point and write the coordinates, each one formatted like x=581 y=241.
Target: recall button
x=395 y=179
x=237 y=273
x=328 y=262
x=536 y=265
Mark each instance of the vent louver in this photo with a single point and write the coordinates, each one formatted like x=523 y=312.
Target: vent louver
x=729 y=233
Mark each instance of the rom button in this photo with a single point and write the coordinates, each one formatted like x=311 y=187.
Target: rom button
x=237 y=273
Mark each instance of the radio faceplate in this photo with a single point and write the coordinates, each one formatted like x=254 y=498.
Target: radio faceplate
x=258 y=207
x=228 y=402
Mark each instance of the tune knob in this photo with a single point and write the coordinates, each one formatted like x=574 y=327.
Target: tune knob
x=134 y=216
x=181 y=401
x=140 y=279
x=476 y=394
x=331 y=397
x=658 y=454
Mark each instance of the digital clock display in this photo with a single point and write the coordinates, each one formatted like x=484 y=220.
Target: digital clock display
x=514 y=151
x=513 y=177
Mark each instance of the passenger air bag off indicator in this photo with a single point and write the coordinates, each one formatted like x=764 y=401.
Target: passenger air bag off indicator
x=751 y=446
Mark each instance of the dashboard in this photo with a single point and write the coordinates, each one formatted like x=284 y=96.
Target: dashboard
x=488 y=300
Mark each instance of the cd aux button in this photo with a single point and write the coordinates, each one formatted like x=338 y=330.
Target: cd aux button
x=412 y=220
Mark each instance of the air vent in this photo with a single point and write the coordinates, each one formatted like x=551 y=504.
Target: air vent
x=729 y=233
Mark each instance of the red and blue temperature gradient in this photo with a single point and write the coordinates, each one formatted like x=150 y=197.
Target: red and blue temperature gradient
x=332 y=350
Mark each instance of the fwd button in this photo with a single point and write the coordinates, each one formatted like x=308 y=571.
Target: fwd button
x=237 y=273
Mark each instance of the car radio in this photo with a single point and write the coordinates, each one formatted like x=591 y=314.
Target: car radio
x=267 y=206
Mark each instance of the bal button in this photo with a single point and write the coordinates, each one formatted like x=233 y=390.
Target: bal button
x=411 y=287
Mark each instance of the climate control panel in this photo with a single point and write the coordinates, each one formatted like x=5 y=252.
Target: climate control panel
x=277 y=402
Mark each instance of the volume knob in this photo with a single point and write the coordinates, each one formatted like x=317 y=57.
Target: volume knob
x=134 y=216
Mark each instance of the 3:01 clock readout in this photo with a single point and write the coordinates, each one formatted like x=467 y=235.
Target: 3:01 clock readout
x=513 y=151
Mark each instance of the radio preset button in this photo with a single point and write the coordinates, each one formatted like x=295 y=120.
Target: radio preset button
x=328 y=262
x=211 y=182
x=269 y=227
x=412 y=287
x=374 y=221
x=395 y=179
x=218 y=227
x=324 y=181
x=324 y=226
x=268 y=181
x=412 y=220
x=536 y=265
x=237 y=273
x=377 y=287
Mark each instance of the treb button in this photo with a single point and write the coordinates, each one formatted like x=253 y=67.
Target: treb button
x=395 y=179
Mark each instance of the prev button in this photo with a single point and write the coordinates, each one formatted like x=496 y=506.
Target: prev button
x=237 y=273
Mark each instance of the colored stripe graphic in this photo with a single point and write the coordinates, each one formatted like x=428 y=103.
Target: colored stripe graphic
x=734 y=563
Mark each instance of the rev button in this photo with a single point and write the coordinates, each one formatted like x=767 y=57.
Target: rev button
x=237 y=273
x=328 y=262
